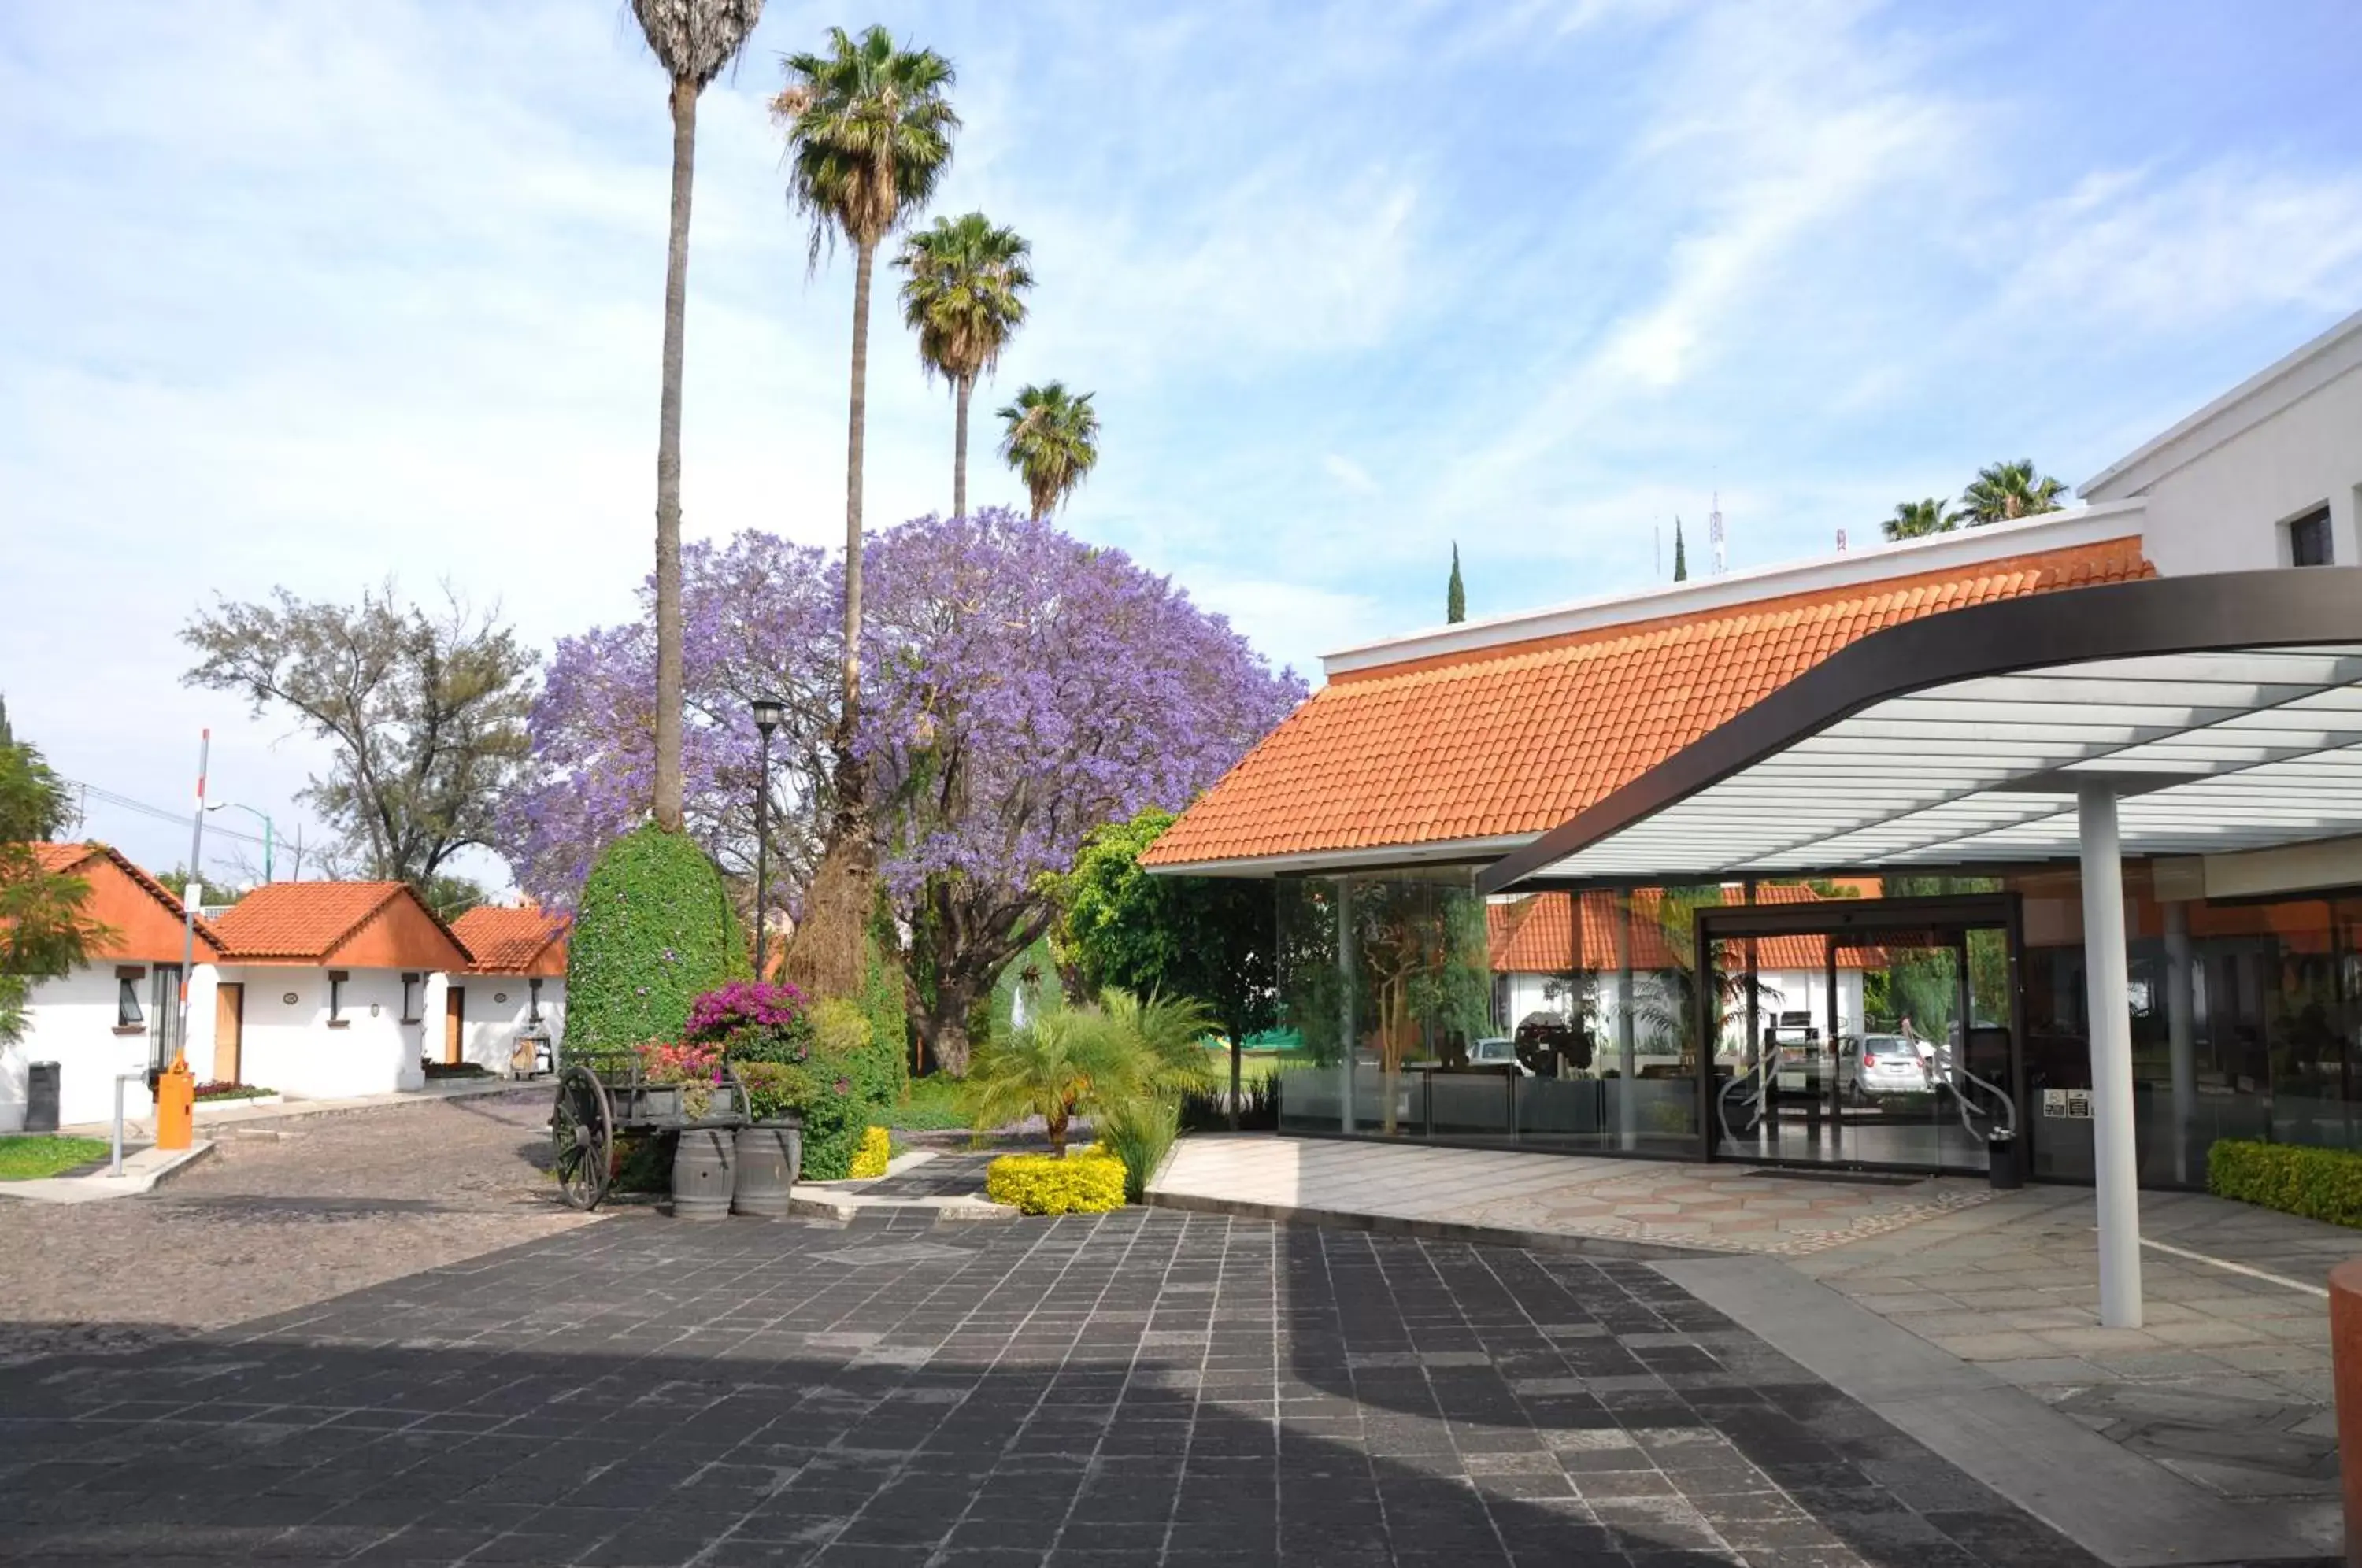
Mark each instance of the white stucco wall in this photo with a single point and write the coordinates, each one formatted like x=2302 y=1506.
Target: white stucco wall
x=2222 y=504
x=493 y=1010
x=292 y=1048
x=70 y=1021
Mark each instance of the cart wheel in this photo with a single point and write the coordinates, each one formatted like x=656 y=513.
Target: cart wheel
x=583 y=1138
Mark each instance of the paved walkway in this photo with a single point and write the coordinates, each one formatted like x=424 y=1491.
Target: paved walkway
x=140 y=1122
x=2224 y=1395
x=1139 y=1391
x=2228 y=1382
x=1639 y=1208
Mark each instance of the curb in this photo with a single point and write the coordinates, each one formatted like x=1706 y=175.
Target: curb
x=1430 y=1230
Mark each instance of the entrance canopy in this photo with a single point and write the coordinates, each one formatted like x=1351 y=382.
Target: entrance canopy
x=2224 y=712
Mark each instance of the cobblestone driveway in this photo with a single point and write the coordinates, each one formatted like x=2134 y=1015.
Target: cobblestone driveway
x=269 y=1223
x=1145 y=1389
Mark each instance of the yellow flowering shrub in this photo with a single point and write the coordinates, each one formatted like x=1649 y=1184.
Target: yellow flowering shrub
x=876 y=1149
x=1085 y=1182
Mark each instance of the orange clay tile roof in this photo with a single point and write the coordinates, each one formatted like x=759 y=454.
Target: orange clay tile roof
x=1514 y=740
x=503 y=941
x=1536 y=934
x=301 y=920
x=54 y=858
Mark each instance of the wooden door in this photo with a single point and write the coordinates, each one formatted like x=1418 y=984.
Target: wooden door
x=229 y=1027
x=454 y=1013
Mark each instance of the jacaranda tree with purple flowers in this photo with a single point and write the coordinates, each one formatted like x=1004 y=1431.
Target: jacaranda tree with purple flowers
x=1023 y=687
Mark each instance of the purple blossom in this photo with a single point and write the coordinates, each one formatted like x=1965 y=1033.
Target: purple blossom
x=1021 y=686
x=742 y=1004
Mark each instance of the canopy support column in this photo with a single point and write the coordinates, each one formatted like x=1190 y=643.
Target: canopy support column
x=2105 y=971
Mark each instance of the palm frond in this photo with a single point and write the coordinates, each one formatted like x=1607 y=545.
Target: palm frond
x=964 y=294
x=1051 y=438
x=869 y=134
x=695 y=40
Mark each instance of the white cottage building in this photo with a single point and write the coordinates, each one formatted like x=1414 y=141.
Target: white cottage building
x=516 y=989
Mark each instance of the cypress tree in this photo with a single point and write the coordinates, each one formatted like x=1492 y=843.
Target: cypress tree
x=1455 y=597
x=1681 y=556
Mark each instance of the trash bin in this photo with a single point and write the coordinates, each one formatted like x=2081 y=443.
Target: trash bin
x=2001 y=1163
x=42 y=1098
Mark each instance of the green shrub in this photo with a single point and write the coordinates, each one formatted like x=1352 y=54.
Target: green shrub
x=883 y=1066
x=877 y=1151
x=654 y=932
x=1140 y=1136
x=2320 y=1183
x=644 y=1162
x=1087 y=1183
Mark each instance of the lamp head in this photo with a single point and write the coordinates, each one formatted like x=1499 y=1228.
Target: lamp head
x=769 y=713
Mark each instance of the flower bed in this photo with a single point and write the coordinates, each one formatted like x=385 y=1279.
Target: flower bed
x=225 y=1091
x=1085 y=1182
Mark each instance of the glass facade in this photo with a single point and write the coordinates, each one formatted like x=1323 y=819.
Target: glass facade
x=1563 y=1021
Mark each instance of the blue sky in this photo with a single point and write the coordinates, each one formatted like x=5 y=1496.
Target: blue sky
x=316 y=295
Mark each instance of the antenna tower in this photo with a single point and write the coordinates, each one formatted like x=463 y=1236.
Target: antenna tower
x=1714 y=536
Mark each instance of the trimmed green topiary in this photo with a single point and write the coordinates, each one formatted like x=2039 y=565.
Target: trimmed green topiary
x=2320 y=1183
x=1087 y=1182
x=654 y=931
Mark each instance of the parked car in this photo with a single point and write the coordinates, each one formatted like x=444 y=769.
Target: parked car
x=1499 y=1051
x=1888 y=1064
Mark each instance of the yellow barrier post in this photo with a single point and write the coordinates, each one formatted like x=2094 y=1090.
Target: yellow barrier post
x=176 y=1098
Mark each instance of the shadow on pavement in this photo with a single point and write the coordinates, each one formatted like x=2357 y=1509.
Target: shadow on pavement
x=1142 y=1388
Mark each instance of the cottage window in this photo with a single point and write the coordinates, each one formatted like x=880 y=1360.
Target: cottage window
x=336 y=978
x=533 y=1001
x=2309 y=539
x=126 y=999
x=411 y=987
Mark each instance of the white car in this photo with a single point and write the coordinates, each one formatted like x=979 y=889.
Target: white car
x=1499 y=1052
x=1888 y=1064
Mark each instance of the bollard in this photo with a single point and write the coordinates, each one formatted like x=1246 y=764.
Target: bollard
x=176 y=1097
x=2345 y=1355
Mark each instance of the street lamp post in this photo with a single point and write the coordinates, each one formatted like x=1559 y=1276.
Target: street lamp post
x=768 y=713
x=269 y=836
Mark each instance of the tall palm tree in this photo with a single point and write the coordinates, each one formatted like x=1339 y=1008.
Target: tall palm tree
x=694 y=40
x=1051 y=436
x=965 y=296
x=1917 y=519
x=2003 y=491
x=869 y=133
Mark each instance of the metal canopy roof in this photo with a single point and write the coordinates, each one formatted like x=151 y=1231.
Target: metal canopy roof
x=2226 y=710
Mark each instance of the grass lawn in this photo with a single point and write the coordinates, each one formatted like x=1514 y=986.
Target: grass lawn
x=933 y=1104
x=24 y=1156
x=1257 y=1065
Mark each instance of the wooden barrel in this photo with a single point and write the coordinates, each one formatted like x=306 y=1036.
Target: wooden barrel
x=769 y=1156
x=701 y=1174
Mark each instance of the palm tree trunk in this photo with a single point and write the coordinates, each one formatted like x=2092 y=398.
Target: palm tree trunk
x=856 y=426
x=829 y=949
x=959 y=447
x=669 y=802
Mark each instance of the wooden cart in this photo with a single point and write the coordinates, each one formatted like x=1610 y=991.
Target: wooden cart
x=601 y=1095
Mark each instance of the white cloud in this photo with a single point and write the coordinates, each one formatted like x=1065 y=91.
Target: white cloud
x=1349 y=473
x=2160 y=252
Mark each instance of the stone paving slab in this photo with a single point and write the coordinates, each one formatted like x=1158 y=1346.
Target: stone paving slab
x=1647 y=1208
x=2226 y=1384
x=1139 y=1389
